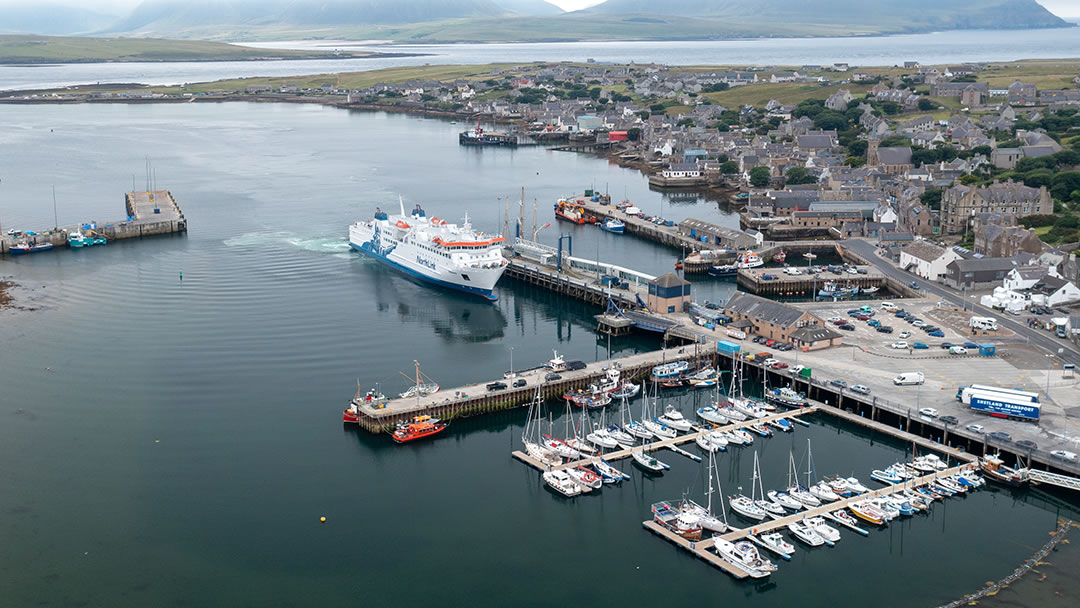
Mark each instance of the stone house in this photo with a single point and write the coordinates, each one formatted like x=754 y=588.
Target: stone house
x=1002 y=242
x=960 y=203
x=927 y=260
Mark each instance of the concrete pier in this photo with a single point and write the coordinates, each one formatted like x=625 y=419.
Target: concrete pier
x=150 y=213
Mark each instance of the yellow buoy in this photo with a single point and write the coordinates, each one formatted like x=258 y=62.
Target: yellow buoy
x=322 y=519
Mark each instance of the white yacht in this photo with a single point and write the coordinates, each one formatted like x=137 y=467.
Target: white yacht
x=823 y=529
x=804 y=532
x=745 y=555
x=561 y=482
x=674 y=419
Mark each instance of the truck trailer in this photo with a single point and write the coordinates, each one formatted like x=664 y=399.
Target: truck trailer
x=1000 y=405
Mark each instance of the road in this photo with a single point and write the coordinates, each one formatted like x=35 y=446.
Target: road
x=1040 y=338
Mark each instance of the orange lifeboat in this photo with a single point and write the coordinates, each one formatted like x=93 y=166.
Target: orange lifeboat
x=401 y=224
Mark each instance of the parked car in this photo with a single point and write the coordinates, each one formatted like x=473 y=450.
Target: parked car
x=520 y=382
x=903 y=314
x=937 y=333
x=1061 y=333
x=778 y=365
x=496 y=386
x=905 y=334
x=840 y=322
x=873 y=323
x=861 y=389
x=918 y=323
x=835 y=319
x=949 y=420
x=971 y=346
x=947 y=345
x=1064 y=455
x=1027 y=444
x=920 y=345
x=769 y=343
x=975 y=428
x=958 y=350
x=929 y=412
x=914 y=285
x=1000 y=436
x=758 y=340
x=552 y=376
x=854 y=313
x=899 y=344
x=784 y=346
x=862 y=317
x=889 y=307
x=846 y=327
x=838 y=382
x=885 y=329
x=770 y=362
x=930 y=328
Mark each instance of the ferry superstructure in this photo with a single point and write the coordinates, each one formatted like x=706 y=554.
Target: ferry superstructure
x=430 y=249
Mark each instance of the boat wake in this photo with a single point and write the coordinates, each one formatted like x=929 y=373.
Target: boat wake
x=336 y=245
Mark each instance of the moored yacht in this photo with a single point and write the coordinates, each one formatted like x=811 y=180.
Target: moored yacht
x=745 y=555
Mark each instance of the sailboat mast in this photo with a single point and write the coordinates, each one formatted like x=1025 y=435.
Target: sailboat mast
x=808 y=461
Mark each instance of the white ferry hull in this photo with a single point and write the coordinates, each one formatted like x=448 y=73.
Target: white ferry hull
x=421 y=264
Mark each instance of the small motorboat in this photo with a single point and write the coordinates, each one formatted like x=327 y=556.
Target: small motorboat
x=761 y=429
x=724 y=270
x=586 y=478
x=776 y=542
x=823 y=529
x=883 y=506
x=645 y=460
x=845 y=518
x=561 y=482
x=823 y=492
x=782 y=425
x=674 y=419
x=609 y=473
x=24 y=248
x=744 y=554
x=710 y=413
x=720 y=439
x=868 y=512
x=886 y=476
x=804 y=532
x=627 y=390
x=742 y=436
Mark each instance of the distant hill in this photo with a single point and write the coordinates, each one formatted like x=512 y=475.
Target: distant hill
x=177 y=15
x=914 y=14
x=536 y=8
x=47 y=18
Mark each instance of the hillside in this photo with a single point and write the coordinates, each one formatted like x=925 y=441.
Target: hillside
x=534 y=8
x=170 y=16
x=47 y=18
x=913 y=15
x=28 y=49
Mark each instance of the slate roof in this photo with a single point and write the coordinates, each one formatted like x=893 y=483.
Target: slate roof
x=669 y=280
x=894 y=156
x=926 y=252
x=814 y=333
x=762 y=309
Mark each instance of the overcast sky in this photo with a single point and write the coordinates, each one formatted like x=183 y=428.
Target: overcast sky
x=1063 y=8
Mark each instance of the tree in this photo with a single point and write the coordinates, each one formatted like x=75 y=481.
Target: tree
x=729 y=167
x=657 y=108
x=891 y=107
x=643 y=115
x=722 y=158
x=984 y=150
x=831 y=120
x=1064 y=184
x=685 y=122
x=925 y=105
x=969 y=179
x=895 y=141
x=931 y=198
x=799 y=175
x=633 y=134
x=759 y=177
x=855 y=161
x=857 y=147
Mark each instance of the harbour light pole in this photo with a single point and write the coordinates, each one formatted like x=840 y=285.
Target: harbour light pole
x=511 y=361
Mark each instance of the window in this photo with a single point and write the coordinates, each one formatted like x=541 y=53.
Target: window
x=671 y=309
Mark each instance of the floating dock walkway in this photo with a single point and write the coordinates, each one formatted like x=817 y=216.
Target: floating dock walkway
x=659 y=444
x=148 y=213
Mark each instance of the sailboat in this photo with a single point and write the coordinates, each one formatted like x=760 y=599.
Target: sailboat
x=534 y=446
x=600 y=436
x=583 y=446
x=635 y=428
x=654 y=424
x=705 y=515
x=797 y=491
x=747 y=506
x=616 y=432
x=558 y=446
x=422 y=386
x=585 y=477
x=646 y=461
x=757 y=494
x=608 y=472
x=819 y=490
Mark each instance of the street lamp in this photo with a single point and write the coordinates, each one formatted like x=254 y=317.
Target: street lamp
x=511 y=361
x=1049 y=362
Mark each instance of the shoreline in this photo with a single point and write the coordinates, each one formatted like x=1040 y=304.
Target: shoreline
x=331 y=57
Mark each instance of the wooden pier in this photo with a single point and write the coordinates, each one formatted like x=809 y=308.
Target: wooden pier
x=475 y=399
x=659 y=444
x=698 y=548
x=148 y=213
x=574 y=284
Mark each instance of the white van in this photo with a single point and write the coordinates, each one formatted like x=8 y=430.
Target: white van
x=792 y=270
x=909 y=378
x=889 y=307
x=983 y=323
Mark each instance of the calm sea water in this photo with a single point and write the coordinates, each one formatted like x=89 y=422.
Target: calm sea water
x=169 y=442
x=934 y=48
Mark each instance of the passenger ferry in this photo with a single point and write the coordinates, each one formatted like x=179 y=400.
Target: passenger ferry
x=448 y=255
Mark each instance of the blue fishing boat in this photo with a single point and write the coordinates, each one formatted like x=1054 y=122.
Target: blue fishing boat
x=613 y=225
x=23 y=248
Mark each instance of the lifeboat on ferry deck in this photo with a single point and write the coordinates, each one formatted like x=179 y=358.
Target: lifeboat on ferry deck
x=401 y=224
x=437 y=222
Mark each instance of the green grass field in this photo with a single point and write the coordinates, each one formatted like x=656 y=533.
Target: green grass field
x=62 y=49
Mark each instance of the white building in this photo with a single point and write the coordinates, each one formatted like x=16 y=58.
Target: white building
x=927 y=260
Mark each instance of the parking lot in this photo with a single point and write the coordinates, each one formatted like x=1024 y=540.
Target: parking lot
x=866 y=358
